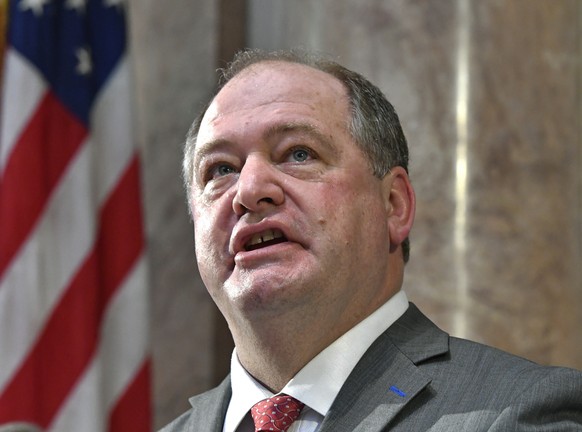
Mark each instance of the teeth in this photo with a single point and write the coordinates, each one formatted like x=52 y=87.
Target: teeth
x=264 y=237
x=255 y=240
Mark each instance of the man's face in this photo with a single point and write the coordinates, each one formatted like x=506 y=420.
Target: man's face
x=287 y=213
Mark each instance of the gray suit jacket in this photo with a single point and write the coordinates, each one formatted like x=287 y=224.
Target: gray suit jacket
x=415 y=377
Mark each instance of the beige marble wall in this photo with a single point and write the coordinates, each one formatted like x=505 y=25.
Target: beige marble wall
x=489 y=93
x=489 y=96
x=524 y=184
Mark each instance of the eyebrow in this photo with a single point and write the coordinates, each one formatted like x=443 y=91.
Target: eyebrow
x=209 y=148
x=277 y=129
x=300 y=127
x=281 y=128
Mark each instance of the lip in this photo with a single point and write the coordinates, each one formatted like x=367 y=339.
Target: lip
x=244 y=234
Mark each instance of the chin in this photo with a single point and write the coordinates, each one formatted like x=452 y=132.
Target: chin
x=265 y=296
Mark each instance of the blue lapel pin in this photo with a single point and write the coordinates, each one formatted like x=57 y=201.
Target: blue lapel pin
x=396 y=390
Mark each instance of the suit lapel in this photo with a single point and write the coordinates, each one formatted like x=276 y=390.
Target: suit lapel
x=387 y=377
x=209 y=409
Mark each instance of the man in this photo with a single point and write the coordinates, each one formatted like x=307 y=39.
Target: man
x=297 y=182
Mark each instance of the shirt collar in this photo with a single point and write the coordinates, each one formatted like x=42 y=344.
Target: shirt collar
x=319 y=382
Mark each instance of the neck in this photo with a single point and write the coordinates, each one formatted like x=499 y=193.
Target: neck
x=274 y=363
x=274 y=346
x=271 y=362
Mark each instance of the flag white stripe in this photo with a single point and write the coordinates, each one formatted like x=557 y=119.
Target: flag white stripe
x=122 y=349
x=23 y=89
x=64 y=236
x=55 y=250
x=115 y=144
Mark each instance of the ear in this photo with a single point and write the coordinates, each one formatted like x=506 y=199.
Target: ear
x=400 y=202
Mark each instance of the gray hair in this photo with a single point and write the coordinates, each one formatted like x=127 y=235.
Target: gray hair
x=374 y=124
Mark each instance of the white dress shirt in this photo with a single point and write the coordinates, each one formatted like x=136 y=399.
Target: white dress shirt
x=320 y=380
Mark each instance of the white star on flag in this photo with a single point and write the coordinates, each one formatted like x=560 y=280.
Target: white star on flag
x=85 y=65
x=78 y=5
x=35 y=6
x=74 y=339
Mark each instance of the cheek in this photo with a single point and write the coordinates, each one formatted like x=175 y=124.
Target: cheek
x=201 y=229
x=203 y=252
x=204 y=232
x=353 y=216
x=336 y=216
x=209 y=255
x=212 y=229
x=208 y=216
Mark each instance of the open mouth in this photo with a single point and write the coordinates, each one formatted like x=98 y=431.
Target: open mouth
x=265 y=239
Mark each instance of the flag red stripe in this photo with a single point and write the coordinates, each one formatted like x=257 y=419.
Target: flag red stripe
x=121 y=239
x=35 y=166
x=70 y=337
x=131 y=412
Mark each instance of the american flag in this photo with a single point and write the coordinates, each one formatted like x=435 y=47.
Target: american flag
x=74 y=353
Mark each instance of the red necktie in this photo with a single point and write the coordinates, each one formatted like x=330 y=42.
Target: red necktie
x=276 y=413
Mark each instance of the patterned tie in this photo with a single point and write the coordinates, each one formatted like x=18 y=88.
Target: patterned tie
x=276 y=413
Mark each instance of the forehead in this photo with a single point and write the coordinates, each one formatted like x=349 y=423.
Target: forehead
x=271 y=91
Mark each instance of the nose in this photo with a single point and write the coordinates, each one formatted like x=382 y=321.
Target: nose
x=258 y=187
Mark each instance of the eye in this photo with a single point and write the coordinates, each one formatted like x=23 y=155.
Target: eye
x=300 y=155
x=223 y=170
x=220 y=170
